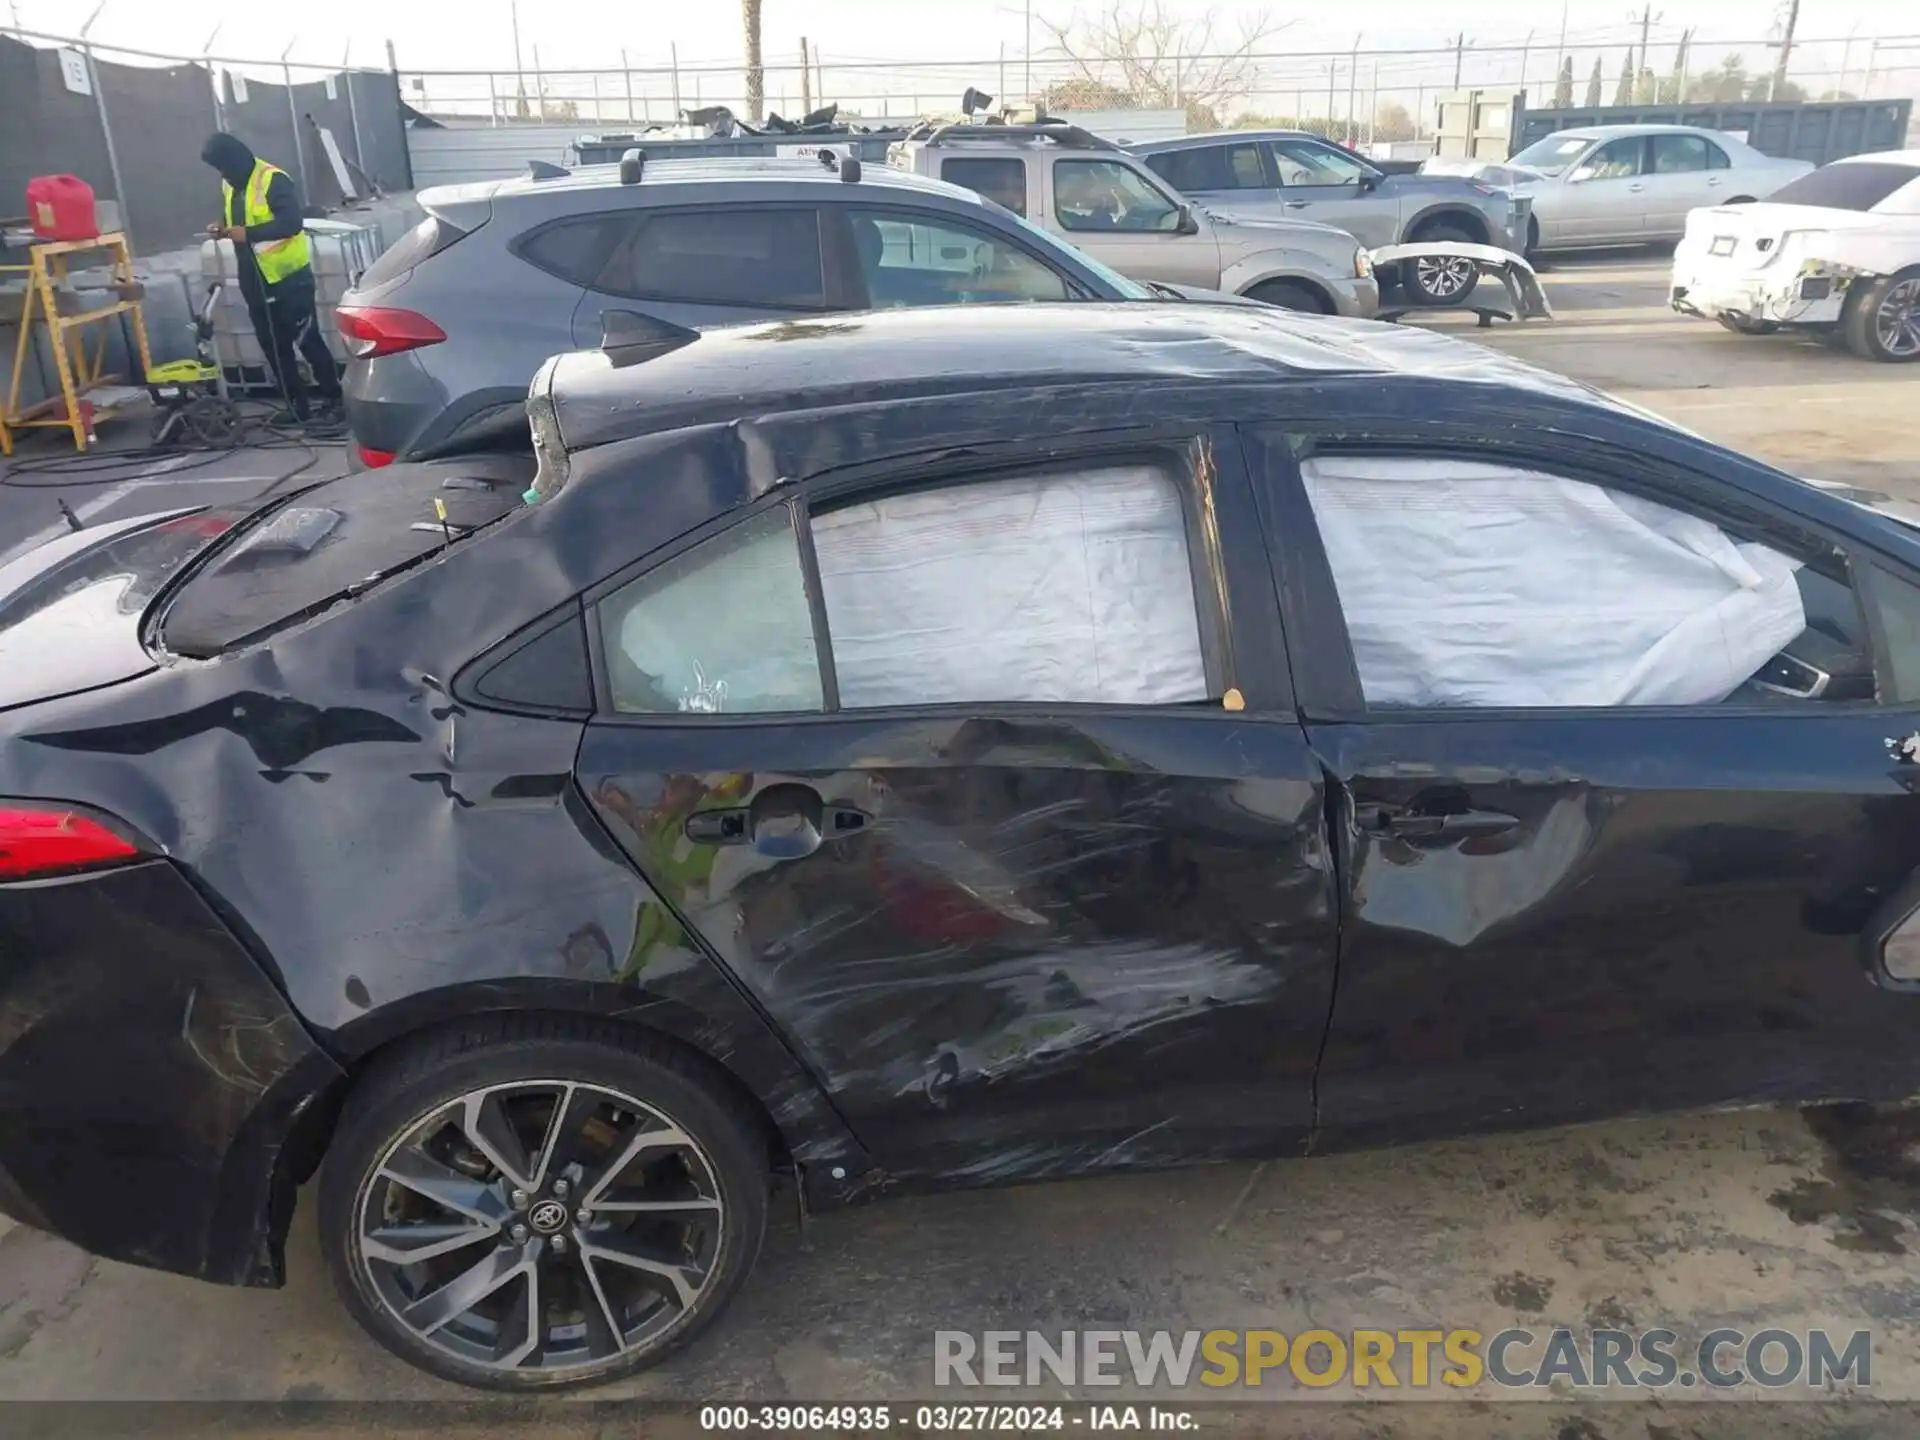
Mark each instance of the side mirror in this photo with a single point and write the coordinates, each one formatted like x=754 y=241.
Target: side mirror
x=1369 y=183
x=1581 y=175
x=1186 y=224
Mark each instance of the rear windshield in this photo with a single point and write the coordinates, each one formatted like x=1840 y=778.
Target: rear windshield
x=429 y=237
x=1846 y=185
x=127 y=570
x=332 y=540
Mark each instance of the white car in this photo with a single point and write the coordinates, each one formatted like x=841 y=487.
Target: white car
x=1627 y=184
x=1837 y=249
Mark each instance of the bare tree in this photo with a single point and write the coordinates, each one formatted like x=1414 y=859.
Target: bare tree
x=1163 y=60
x=756 y=76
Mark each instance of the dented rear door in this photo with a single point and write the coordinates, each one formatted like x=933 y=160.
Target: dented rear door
x=1011 y=937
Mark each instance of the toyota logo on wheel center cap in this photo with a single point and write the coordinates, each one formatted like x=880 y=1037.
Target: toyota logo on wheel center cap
x=548 y=1217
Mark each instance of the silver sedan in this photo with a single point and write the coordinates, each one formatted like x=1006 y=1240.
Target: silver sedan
x=1627 y=184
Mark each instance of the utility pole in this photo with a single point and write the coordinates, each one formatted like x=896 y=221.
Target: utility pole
x=1786 y=49
x=806 y=80
x=1459 y=54
x=1353 y=81
x=1027 y=54
x=519 y=70
x=1647 y=17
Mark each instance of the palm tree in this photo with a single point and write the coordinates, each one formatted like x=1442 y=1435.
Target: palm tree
x=756 y=77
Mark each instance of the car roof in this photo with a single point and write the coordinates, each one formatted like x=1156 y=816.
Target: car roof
x=1882 y=157
x=1216 y=137
x=725 y=170
x=892 y=355
x=1610 y=132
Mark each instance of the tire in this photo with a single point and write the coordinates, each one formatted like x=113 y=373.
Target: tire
x=615 y=1292
x=1747 y=325
x=1290 y=295
x=1440 y=284
x=1881 y=320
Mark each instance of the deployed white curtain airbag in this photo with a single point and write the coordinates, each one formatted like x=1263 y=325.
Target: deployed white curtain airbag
x=1071 y=588
x=1472 y=584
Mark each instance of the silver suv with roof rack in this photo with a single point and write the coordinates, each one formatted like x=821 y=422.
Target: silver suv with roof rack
x=446 y=328
x=1105 y=201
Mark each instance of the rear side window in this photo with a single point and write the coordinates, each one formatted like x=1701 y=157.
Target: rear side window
x=1679 y=154
x=720 y=256
x=1848 y=185
x=429 y=237
x=1211 y=167
x=1001 y=178
x=574 y=250
x=1070 y=587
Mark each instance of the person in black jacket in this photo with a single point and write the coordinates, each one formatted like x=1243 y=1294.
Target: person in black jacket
x=260 y=213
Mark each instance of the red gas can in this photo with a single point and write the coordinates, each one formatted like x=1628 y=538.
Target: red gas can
x=61 y=207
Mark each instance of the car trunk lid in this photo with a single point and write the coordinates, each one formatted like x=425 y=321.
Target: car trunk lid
x=70 y=610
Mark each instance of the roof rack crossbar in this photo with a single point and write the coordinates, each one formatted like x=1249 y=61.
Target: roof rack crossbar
x=1068 y=135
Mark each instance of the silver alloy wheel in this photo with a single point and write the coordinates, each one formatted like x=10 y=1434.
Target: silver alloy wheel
x=1444 y=278
x=1896 y=321
x=617 y=1229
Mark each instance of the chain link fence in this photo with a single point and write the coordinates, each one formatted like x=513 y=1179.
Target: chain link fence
x=1357 y=94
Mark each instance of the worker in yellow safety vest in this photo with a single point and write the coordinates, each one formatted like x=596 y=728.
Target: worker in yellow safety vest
x=260 y=214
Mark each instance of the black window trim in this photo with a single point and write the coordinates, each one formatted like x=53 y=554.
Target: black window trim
x=856 y=281
x=1192 y=452
x=465 y=684
x=1325 y=674
x=633 y=216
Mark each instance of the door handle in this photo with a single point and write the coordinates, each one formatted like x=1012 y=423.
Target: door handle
x=1713 y=180
x=1296 y=204
x=1636 y=187
x=1412 y=825
x=784 y=821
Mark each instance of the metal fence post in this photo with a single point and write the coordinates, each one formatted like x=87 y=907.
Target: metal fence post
x=353 y=114
x=493 y=102
x=627 y=76
x=106 y=125
x=293 y=116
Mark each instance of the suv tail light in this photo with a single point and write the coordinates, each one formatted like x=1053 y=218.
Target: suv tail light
x=48 y=839
x=372 y=330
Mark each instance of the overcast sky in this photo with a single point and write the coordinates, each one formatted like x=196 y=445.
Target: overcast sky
x=478 y=34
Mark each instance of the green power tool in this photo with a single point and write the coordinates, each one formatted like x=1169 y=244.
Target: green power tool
x=192 y=406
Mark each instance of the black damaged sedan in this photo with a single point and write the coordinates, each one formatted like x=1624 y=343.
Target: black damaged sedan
x=920 y=749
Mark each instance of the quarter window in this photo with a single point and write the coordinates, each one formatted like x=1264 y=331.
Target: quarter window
x=720 y=256
x=1109 y=195
x=912 y=261
x=723 y=627
x=1001 y=179
x=1473 y=584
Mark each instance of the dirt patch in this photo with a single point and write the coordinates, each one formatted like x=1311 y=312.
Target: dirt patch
x=1868 y=1188
x=40 y=1280
x=1523 y=1292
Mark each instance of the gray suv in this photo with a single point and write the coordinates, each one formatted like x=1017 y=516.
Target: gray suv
x=1276 y=174
x=447 y=328
x=1106 y=202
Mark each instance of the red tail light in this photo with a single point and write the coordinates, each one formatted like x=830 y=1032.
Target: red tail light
x=373 y=459
x=372 y=330
x=38 y=841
